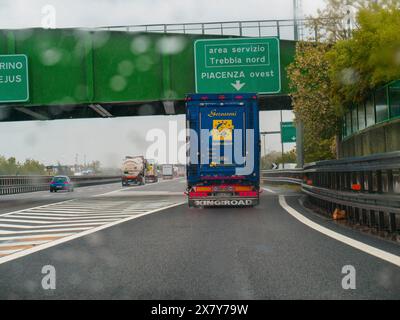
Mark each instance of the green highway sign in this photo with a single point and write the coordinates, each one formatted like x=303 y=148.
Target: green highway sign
x=288 y=132
x=14 y=83
x=238 y=65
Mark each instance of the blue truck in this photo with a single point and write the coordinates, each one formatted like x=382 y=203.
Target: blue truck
x=223 y=167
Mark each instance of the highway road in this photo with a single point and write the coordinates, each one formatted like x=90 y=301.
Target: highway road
x=106 y=242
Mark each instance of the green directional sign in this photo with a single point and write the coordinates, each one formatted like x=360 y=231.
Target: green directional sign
x=238 y=65
x=288 y=132
x=14 y=84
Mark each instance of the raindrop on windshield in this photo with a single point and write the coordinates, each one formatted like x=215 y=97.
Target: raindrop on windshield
x=50 y=57
x=171 y=45
x=118 y=83
x=140 y=45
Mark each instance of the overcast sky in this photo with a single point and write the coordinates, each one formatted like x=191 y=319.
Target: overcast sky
x=109 y=140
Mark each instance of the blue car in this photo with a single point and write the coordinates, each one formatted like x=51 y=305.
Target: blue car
x=61 y=183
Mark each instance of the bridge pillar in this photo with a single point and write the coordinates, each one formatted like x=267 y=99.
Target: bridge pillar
x=169 y=107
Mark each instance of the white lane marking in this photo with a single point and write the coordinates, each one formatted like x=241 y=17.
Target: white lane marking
x=136 y=187
x=62 y=218
x=62 y=212
x=44 y=206
x=269 y=190
x=46 y=230
x=389 y=257
x=24 y=253
x=10 y=252
x=21 y=243
x=63 y=215
x=53 y=235
x=50 y=225
x=42 y=221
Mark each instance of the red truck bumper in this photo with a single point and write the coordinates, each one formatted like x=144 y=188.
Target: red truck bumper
x=224 y=196
x=235 y=202
x=151 y=179
x=131 y=180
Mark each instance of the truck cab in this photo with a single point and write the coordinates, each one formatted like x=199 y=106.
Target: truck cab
x=151 y=172
x=223 y=167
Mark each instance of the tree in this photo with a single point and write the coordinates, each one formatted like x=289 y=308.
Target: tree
x=342 y=68
x=287 y=157
x=336 y=21
x=10 y=166
x=32 y=167
x=371 y=57
x=95 y=166
x=268 y=160
x=311 y=83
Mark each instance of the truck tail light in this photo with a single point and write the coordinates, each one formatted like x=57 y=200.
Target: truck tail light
x=243 y=188
x=252 y=194
x=198 y=194
x=203 y=189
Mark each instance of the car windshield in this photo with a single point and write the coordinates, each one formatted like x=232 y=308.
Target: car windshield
x=59 y=179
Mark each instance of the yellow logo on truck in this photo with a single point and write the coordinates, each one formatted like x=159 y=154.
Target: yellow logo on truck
x=223 y=130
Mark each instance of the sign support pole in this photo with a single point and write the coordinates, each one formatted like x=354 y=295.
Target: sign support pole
x=265 y=145
x=300 y=144
x=283 y=146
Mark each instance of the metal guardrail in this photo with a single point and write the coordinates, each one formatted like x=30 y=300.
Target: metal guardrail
x=367 y=189
x=24 y=184
x=284 y=29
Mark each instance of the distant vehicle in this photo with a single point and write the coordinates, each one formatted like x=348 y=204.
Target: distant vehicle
x=61 y=183
x=87 y=172
x=151 y=172
x=181 y=171
x=168 y=171
x=175 y=172
x=133 y=171
x=287 y=166
x=228 y=173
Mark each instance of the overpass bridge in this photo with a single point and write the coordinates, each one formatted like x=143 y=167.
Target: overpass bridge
x=124 y=71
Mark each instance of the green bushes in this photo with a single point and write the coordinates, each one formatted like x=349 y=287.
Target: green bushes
x=30 y=167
